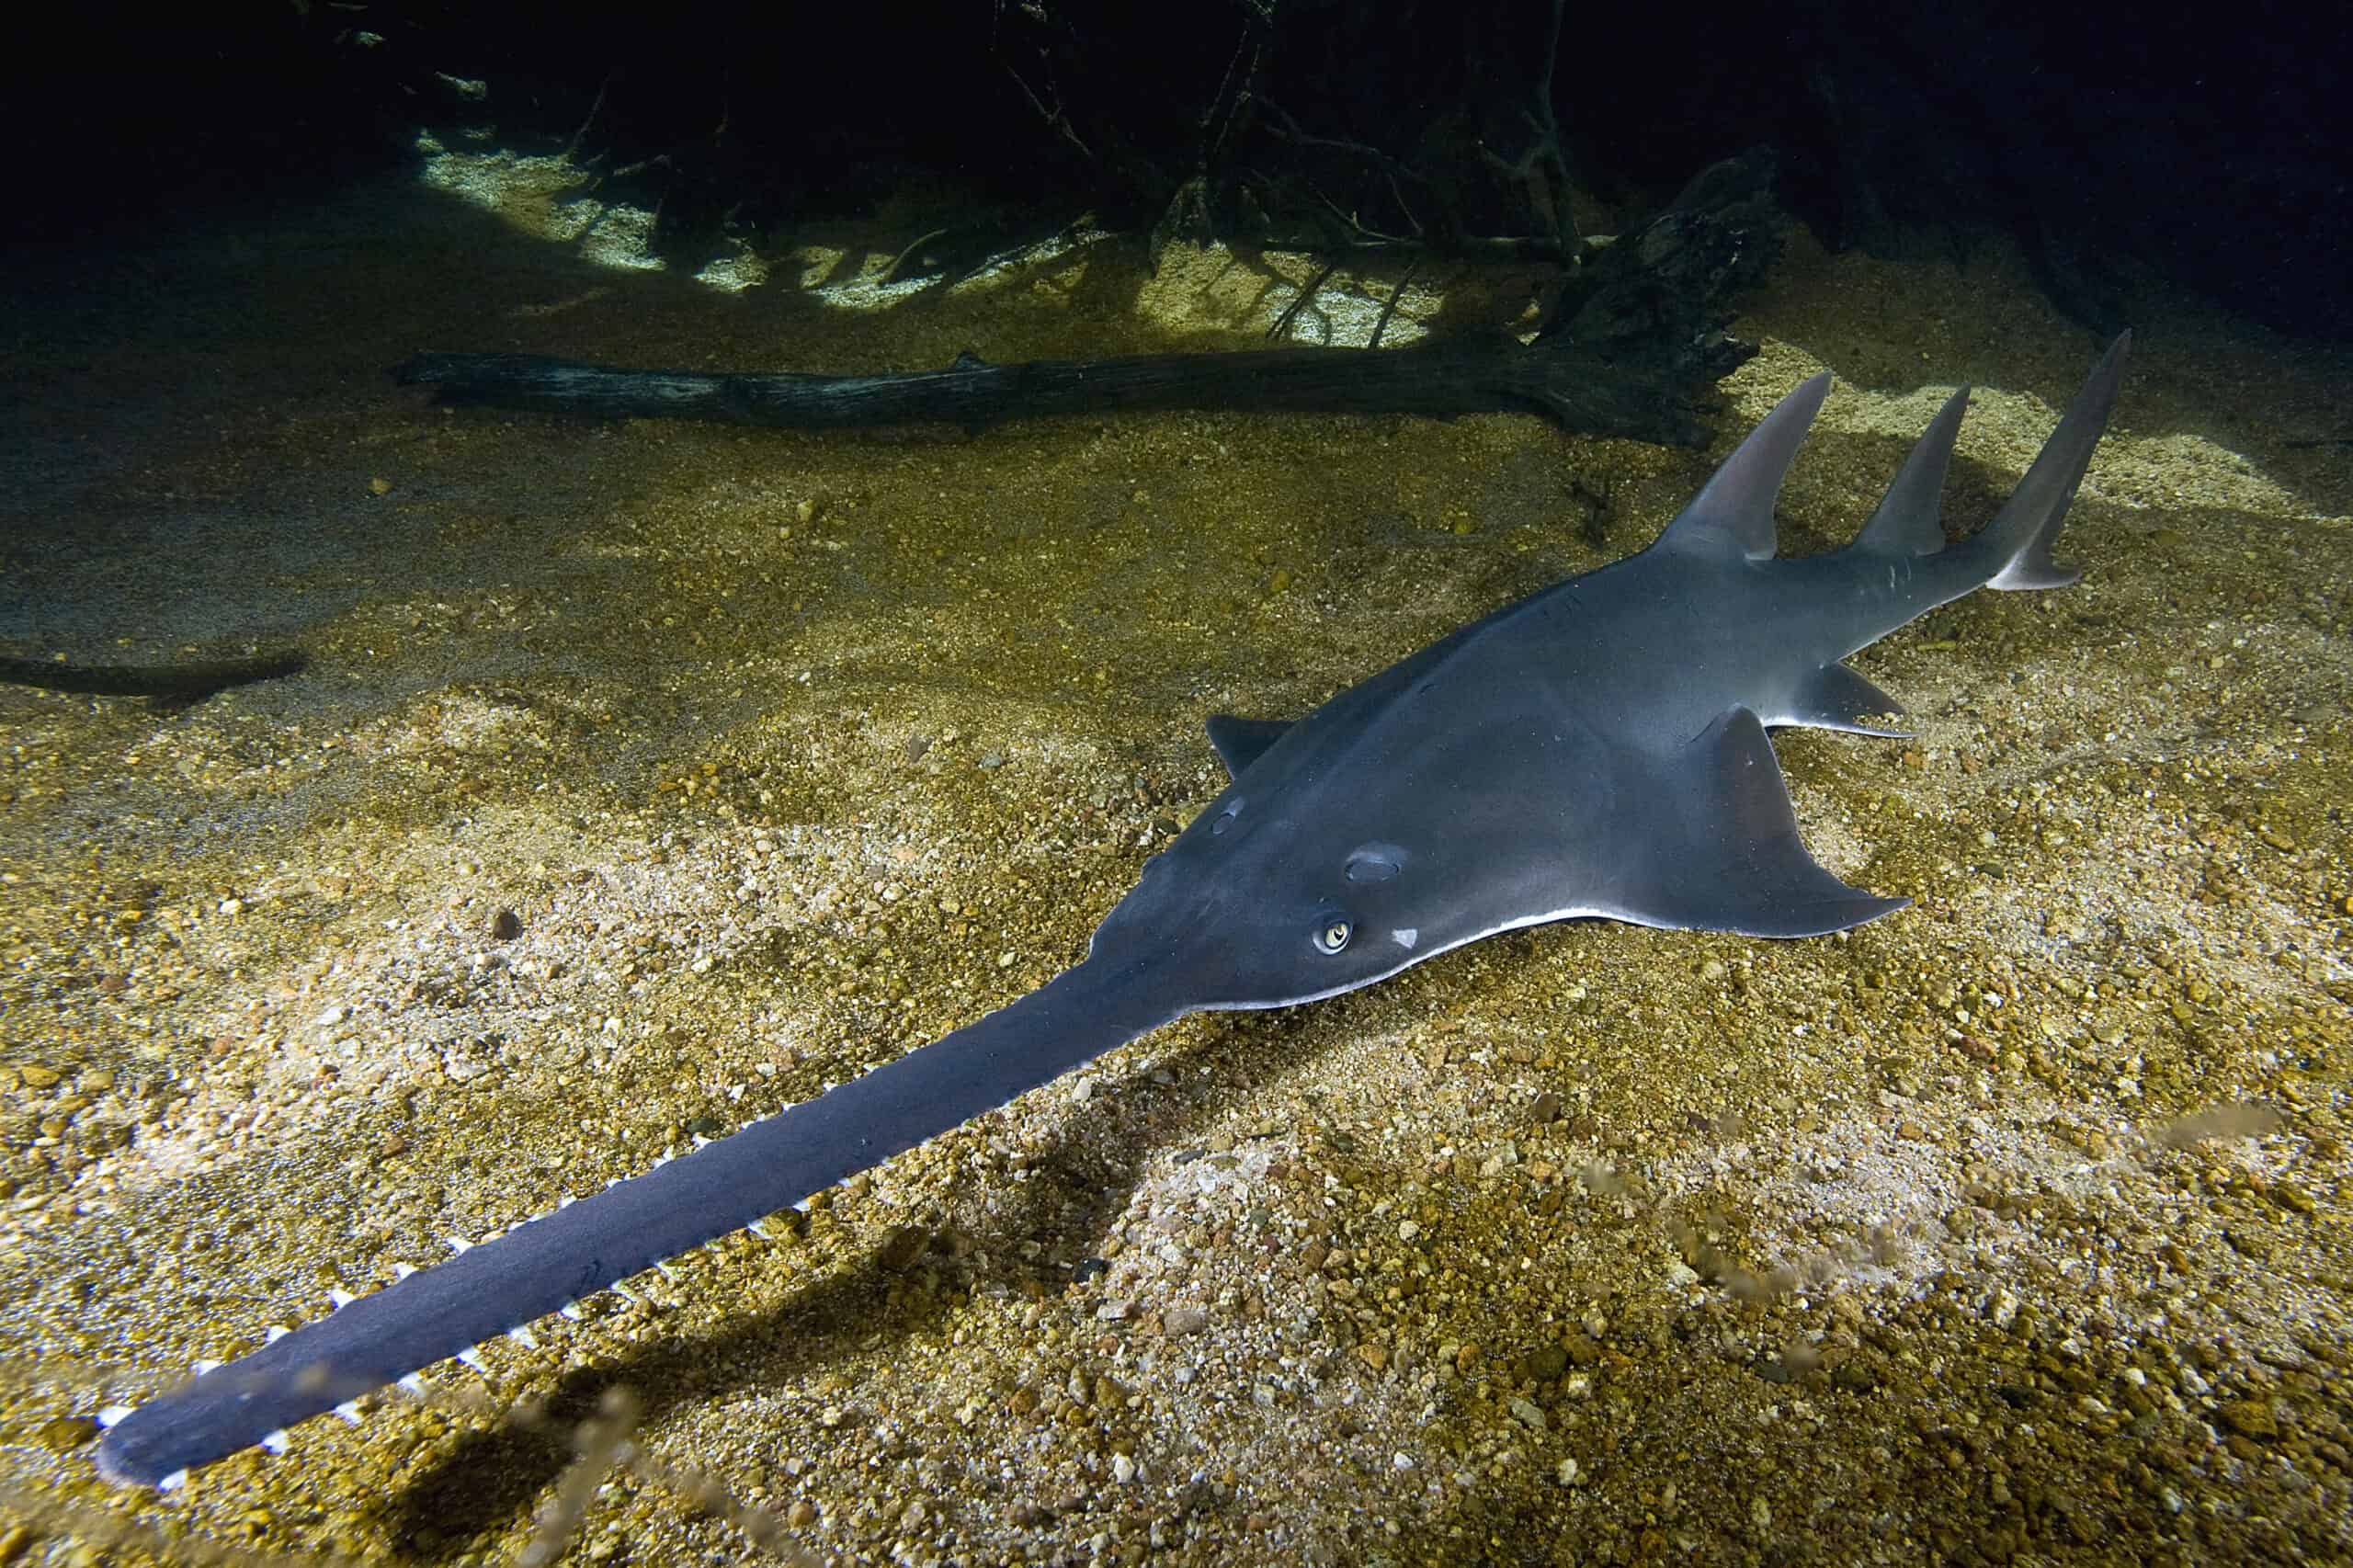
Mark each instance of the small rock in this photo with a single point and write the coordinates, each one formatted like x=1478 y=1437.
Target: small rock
x=2250 y=1417
x=1853 y=1377
x=1177 y=1322
x=505 y=925
x=904 y=1246
x=66 y=1433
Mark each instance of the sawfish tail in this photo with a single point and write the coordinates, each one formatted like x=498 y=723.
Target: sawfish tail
x=2015 y=548
x=545 y=1265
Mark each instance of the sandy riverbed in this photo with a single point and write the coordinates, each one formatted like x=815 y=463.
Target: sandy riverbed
x=2013 y=1225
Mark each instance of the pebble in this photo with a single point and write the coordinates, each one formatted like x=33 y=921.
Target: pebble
x=2250 y=1417
x=1177 y=1322
x=64 y=1433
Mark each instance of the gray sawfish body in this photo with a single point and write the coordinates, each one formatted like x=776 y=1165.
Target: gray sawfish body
x=1597 y=749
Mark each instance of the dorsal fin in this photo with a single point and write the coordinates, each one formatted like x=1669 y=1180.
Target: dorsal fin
x=1240 y=740
x=1907 y=521
x=1733 y=514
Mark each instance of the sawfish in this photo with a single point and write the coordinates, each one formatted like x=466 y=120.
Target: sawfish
x=1598 y=749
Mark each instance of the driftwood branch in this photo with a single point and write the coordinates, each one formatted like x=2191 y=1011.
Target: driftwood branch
x=1634 y=342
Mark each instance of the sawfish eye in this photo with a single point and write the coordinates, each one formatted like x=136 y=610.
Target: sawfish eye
x=1333 y=936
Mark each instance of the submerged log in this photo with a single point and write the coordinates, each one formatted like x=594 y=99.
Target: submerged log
x=1636 y=339
x=1433 y=377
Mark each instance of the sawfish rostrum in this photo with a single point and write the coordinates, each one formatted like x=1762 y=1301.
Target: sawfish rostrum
x=1597 y=749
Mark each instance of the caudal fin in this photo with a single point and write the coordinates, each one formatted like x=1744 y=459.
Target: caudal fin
x=2017 y=543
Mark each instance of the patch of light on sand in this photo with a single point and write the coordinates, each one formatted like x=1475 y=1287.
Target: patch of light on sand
x=2162 y=471
x=836 y=278
x=734 y=274
x=552 y=197
x=543 y=196
x=1209 y=285
x=2179 y=469
x=1029 y=258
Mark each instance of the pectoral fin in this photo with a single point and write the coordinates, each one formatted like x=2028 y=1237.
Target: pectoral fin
x=1718 y=849
x=1239 y=741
